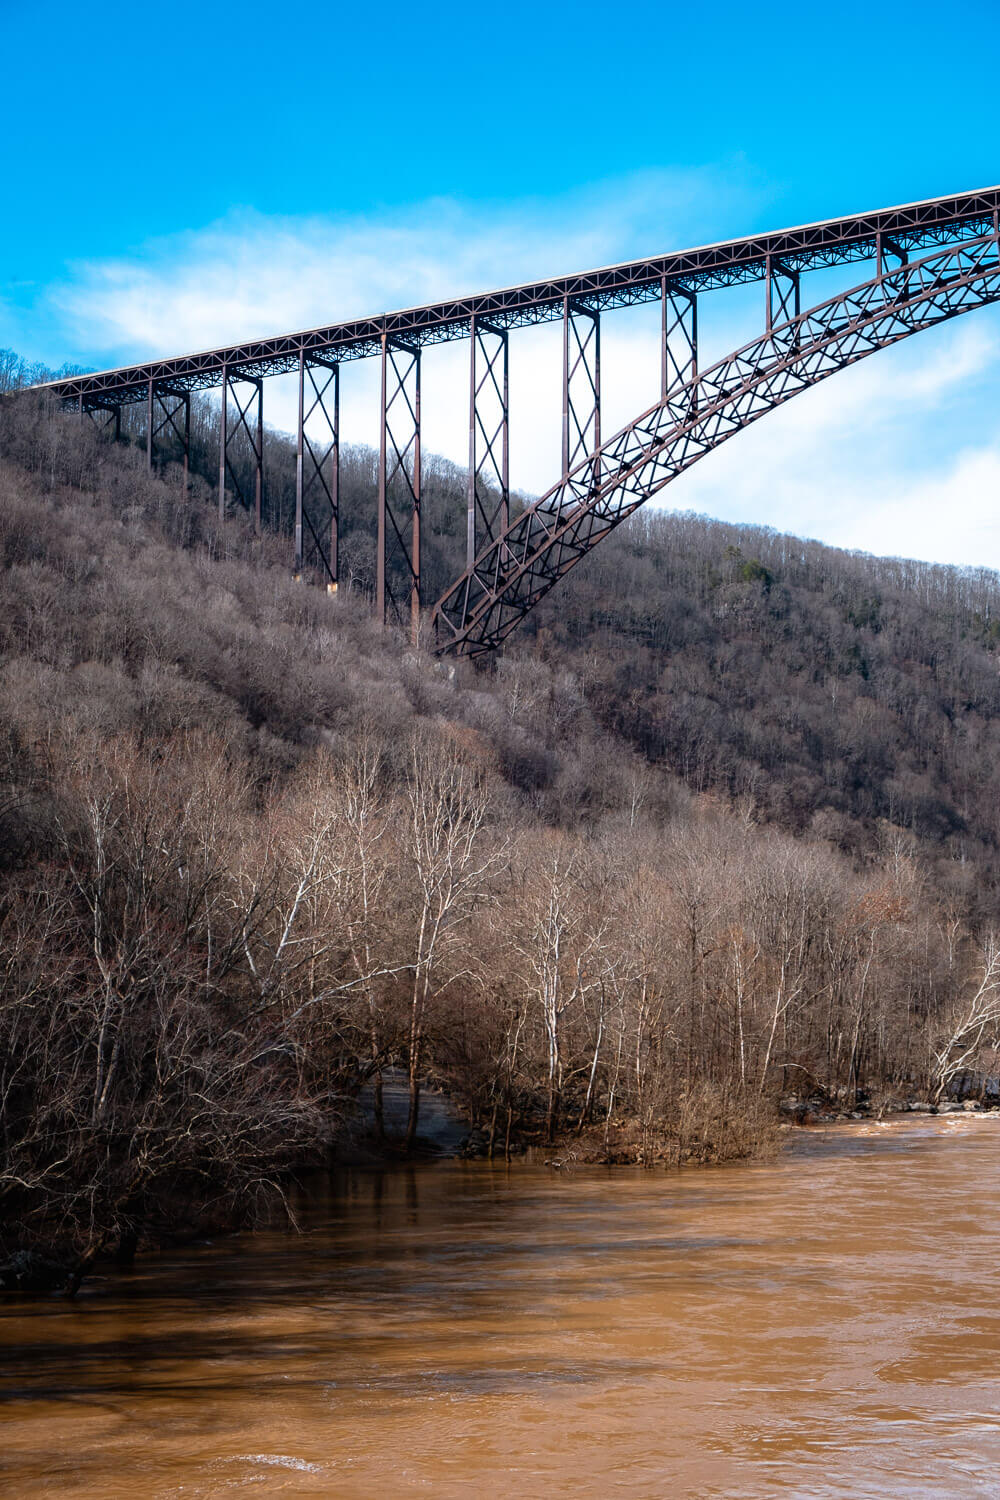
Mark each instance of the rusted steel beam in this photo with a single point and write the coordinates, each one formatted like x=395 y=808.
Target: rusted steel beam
x=163 y=411
x=223 y=442
x=317 y=471
x=581 y=384
x=488 y=491
x=678 y=338
x=782 y=295
x=397 y=564
x=248 y=426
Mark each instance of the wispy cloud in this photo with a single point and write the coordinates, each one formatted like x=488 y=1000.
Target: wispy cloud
x=251 y=275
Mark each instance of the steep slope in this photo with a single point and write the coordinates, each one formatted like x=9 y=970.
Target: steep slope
x=833 y=689
x=256 y=851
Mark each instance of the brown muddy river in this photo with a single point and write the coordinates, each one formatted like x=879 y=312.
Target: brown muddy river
x=827 y=1324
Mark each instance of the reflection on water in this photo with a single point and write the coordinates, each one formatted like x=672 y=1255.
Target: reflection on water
x=824 y=1325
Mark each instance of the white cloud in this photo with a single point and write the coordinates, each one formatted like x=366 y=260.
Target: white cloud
x=251 y=275
x=874 y=458
x=898 y=455
x=951 y=516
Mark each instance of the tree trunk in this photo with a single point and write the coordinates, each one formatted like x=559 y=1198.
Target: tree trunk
x=414 y=1112
x=550 y=1114
x=128 y=1243
x=378 y=1105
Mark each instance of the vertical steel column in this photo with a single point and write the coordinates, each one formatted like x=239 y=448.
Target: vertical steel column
x=397 y=565
x=149 y=425
x=782 y=293
x=886 y=245
x=678 y=338
x=581 y=424
x=223 y=443
x=488 y=493
x=380 y=537
x=249 y=496
x=317 y=469
x=415 y=599
x=258 y=482
x=163 y=408
x=299 y=453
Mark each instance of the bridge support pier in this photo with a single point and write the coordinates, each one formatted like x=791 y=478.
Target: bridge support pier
x=885 y=245
x=783 y=293
x=163 y=418
x=397 y=563
x=247 y=432
x=488 y=509
x=581 y=394
x=317 y=469
x=678 y=338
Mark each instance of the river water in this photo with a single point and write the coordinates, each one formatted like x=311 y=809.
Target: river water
x=824 y=1324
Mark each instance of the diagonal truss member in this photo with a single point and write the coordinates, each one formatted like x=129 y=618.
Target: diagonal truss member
x=168 y=418
x=241 y=445
x=581 y=391
x=678 y=338
x=488 y=508
x=317 y=470
x=782 y=294
x=553 y=534
x=397 y=565
x=106 y=419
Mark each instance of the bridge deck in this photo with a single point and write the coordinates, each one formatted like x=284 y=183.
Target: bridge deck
x=911 y=226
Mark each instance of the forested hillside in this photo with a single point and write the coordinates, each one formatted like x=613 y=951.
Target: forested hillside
x=720 y=827
x=836 y=691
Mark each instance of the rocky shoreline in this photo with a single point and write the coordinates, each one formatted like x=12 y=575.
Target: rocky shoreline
x=820 y=1110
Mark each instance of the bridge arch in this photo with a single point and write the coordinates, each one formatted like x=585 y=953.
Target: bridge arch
x=521 y=564
x=945 y=254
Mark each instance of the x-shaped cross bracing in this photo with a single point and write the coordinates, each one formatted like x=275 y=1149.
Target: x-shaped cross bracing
x=550 y=536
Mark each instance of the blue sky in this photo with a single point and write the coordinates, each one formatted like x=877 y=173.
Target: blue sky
x=173 y=177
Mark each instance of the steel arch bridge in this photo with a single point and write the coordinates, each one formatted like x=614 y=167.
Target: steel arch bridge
x=932 y=261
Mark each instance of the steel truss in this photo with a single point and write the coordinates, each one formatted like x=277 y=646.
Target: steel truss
x=488 y=493
x=782 y=293
x=933 y=260
x=581 y=384
x=246 y=434
x=887 y=247
x=163 y=410
x=317 y=471
x=554 y=533
x=397 y=565
x=678 y=338
x=911 y=228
